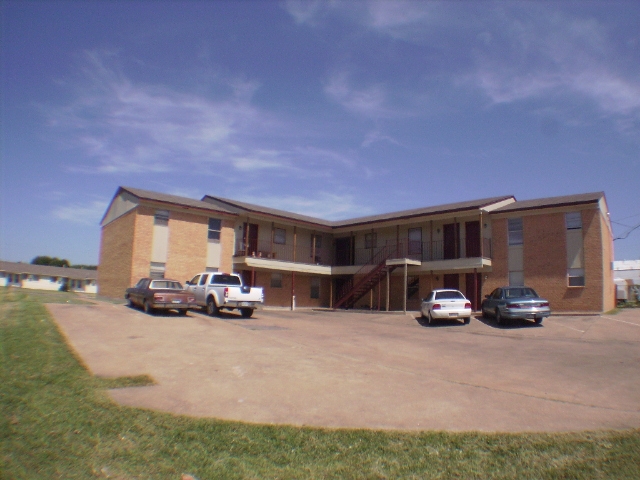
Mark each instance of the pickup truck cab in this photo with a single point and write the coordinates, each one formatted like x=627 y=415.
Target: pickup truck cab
x=215 y=291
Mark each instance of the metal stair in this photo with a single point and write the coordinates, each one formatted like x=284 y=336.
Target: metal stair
x=373 y=272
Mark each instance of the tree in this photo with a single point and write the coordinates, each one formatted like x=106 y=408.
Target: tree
x=52 y=262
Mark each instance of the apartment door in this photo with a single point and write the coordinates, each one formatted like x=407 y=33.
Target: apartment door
x=472 y=242
x=451 y=280
x=250 y=238
x=451 y=234
x=343 y=251
x=414 y=248
x=473 y=290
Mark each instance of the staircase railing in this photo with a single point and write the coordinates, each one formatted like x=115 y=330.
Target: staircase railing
x=369 y=270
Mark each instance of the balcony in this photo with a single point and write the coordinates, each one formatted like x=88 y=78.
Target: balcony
x=426 y=251
x=414 y=250
x=284 y=253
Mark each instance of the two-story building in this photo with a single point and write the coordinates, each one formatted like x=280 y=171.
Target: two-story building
x=561 y=246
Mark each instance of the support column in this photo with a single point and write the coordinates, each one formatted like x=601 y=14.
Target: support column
x=388 y=281
x=475 y=289
x=293 y=291
x=404 y=304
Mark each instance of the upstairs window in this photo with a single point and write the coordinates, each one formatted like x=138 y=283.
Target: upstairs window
x=515 y=231
x=370 y=240
x=318 y=241
x=573 y=220
x=279 y=236
x=161 y=217
x=215 y=225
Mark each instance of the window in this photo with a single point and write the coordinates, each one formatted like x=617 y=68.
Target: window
x=215 y=225
x=575 y=277
x=203 y=279
x=573 y=220
x=161 y=217
x=515 y=231
x=279 y=236
x=415 y=241
x=315 y=287
x=157 y=270
x=516 y=278
x=211 y=269
x=370 y=240
x=276 y=280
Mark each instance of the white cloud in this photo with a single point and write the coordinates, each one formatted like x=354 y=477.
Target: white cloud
x=369 y=101
x=324 y=205
x=88 y=213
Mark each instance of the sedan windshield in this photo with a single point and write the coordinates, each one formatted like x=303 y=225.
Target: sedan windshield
x=520 y=293
x=447 y=294
x=157 y=284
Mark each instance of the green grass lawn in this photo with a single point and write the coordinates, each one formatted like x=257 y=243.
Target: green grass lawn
x=56 y=421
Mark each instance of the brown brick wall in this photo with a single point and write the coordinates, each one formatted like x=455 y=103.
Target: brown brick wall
x=142 y=244
x=281 y=297
x=499 y=274
x=545 y=260
x=187 y=249
x=227 y=238
x=608 y=287
x=116 y=250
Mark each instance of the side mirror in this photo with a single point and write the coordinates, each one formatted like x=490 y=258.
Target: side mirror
x=187 y=282
x=486 y=296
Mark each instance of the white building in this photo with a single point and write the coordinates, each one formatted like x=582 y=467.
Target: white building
x=627 y=279
x=44 y=277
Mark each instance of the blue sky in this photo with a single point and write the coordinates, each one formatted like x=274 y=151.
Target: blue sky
x=330 y=109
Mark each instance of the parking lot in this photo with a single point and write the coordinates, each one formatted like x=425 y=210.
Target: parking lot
x=369 y=370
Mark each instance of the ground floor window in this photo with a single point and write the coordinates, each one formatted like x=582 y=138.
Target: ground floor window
x=516 y=278
x=276 y=280
x=576 y=277
x=315 y=287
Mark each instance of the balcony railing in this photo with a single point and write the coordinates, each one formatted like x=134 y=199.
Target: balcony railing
x=415 y=250
x=285 y=253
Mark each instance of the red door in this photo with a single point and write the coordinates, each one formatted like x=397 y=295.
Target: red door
x=451 y=232
x=250 y=238
x=472 y=242
x=473 y=290
x=451 y=280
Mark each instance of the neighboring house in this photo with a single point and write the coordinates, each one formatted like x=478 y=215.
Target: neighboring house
x=44 y=277
x=561 y=246
x=627 y=279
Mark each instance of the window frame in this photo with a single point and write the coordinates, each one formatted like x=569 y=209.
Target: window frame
x=515 y=236
x=213 y=233
x=277 y=239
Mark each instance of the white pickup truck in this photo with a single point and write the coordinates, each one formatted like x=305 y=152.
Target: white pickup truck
x=224 y=290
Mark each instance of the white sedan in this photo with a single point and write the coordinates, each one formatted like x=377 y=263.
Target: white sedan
x=446 y=303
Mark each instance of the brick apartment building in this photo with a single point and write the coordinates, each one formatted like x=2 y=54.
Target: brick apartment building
x=561 y=246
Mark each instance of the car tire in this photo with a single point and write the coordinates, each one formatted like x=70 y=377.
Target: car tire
x=212 y=307
x=467 y=320
x=130 y=303
x=148 y=309
x=430 y=319
x=538 y=320
x=246 y=312
x=499 y=319
x=182 y=312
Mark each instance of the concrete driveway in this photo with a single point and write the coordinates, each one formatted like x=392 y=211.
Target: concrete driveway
x=369 y=370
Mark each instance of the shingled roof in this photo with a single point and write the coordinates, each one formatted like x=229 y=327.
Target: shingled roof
x=171 y=199
x=48 y=271
x=551 y=202
x=240 y=207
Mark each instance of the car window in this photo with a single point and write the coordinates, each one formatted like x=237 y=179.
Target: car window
x=194 y=280
x=497 y=293
x=225 y=280
x=140 y=283
x=166 y=284
x=203 y=280
x=448 y=294
x=428 y=298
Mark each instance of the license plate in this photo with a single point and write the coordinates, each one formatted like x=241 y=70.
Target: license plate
x=453 y=314
x=244 y=304
x=176 y=301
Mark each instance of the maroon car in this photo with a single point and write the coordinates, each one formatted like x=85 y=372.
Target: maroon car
x=159 y=294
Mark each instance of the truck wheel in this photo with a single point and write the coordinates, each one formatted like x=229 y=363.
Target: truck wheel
x=212 y=308
x=246 y=312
